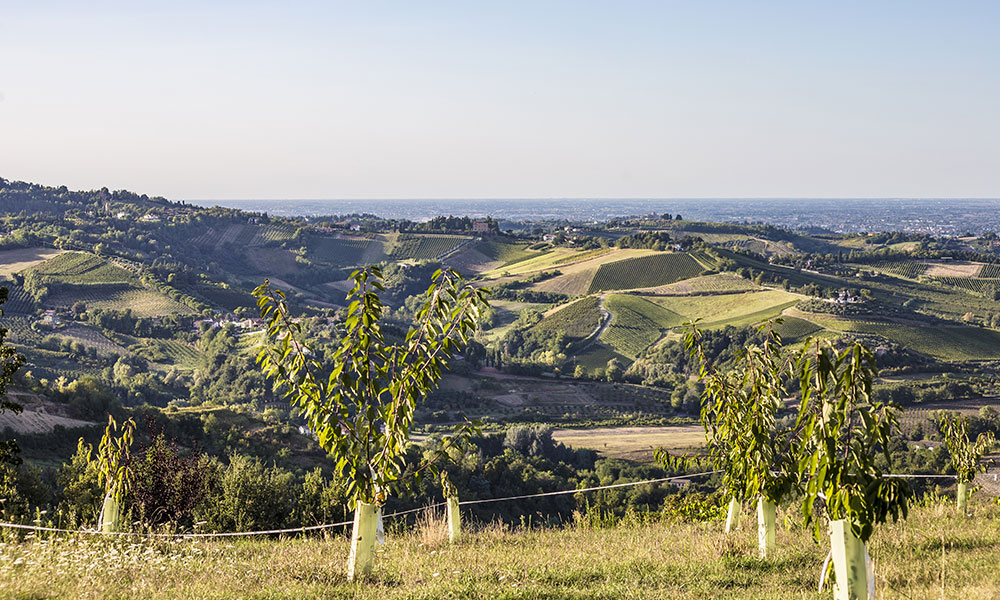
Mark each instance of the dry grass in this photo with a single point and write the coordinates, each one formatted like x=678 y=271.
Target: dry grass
x=953 y=269
x=636 y=443
x=19 y=259
x=933 y=554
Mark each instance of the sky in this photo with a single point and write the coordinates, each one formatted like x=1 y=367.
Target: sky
x=475 y=99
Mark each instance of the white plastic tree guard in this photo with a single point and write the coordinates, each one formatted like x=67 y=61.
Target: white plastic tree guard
x=733 y=516
x=362 y=557
x=454 y=520
x=963 y=497
x=850 y=563
x=111 y=514
x=765 y=527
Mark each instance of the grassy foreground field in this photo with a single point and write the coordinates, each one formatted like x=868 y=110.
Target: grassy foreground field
x=931 y=555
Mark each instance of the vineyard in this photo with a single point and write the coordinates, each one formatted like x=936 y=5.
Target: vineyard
x=636 y=323
x=901 y=268
x=83 y=269
x=985 y=287
x=644 y=271
x=338 y=250
x=142 y=302
x=276 y=233
x=596 y=356
x=577 y=320
x=990 y=271
x=950 y=342
x=20 y=331
x=91 y=338
x=793 y=329
x=180 y=354
x=18 y=301
x=424 y=247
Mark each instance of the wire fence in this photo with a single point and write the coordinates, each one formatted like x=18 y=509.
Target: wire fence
x=304 y=529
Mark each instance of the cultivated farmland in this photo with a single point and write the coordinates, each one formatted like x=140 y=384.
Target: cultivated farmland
x=645 y=271
x=729 y=309
x=142 y=302
x=79 y=268
x=721 y=283
x=341 y=251
x=577 y=320
x=423 y=247
x=901 y=268
x=636 y=323
x=17 y=260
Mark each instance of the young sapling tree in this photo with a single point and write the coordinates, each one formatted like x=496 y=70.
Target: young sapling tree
x=361 y=405
x=844 y=432
x=114 y=472
x=966 y=455
x=739 y=413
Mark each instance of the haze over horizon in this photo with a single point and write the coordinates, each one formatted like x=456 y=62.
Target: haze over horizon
x=318 y=101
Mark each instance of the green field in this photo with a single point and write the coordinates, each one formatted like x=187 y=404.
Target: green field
x=794 y=329
x=720 y=283
x=636 y=323
x=408 y=246
x=143 y=302
x=973 y=284
x=596 y=356
x=577 y=320
x=506 y=253
x=645 y=271
x=946 y=342
x=729 y=309
x=79 y=268
x=933 y=553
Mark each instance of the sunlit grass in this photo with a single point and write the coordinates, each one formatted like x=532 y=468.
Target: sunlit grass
x=632 y=560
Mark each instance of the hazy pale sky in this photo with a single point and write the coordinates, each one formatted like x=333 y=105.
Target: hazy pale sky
x=226 y=100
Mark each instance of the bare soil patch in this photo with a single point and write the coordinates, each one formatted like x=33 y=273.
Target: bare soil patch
x=953 y=269
x=19 y=259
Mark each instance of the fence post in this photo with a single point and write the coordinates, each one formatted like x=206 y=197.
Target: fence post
x=454 y=519
x=850 y=566
x=362 y=556
x=111 y=513
x=733 y=516
x=963 y=497
x=765 y=527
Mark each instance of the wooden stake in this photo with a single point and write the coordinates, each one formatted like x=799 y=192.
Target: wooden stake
x=454 y=520
x=733 y=516
x=362 y=556
x=765 y=527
